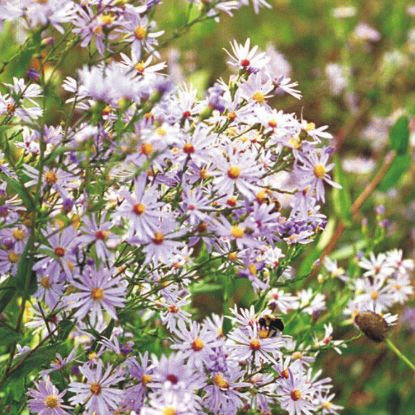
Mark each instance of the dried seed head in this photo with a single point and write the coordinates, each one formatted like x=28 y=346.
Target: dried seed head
x=373 y=325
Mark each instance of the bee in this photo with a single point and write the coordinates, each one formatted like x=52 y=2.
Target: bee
x=269 y=326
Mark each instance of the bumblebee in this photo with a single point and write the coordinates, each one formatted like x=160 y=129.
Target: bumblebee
x=269 y=326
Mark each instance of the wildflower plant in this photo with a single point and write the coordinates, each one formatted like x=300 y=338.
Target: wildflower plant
x=142 y=195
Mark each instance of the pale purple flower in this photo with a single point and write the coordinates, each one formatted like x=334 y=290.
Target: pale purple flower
x=98 y=293
x=45 y=399
x=97 y=392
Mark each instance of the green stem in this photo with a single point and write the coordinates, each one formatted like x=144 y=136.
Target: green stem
x=398 y=353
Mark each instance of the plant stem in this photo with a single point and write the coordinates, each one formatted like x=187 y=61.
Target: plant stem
x=398 y=353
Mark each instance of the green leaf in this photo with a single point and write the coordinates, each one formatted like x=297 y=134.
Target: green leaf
x=397 y=169
x=7 y=291
x=8 y=336
x=18 y=189
x=40 y=359
x=399 y=135
x=341 y=197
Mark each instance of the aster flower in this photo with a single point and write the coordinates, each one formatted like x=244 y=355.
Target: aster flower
x=162 y=242
x=224 y=394
x=142 y=208
x=99 y=292
x=173 y=312
x=61 y=253
x=97 y=392
x=194 y=343
x=296 y=395
x=45 y=399
x=98 y=233
x=246 y=58
x=50 y=289
x=257 y=89
x=238 y=171
x=138 y=34
x=248 y=345
x=313 y=171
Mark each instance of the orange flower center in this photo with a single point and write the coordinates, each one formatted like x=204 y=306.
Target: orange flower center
x=220 y=381
x=97 y=294
x=139 y=208
x=188 y=148
x=295 y=395
x=319 y=171
x=158 y=238
x=51 y=401
x=18 y=234
x=169 y=410
x=234 y=172
x=145 y=379
x=255 y=344
x=237 y=231
x=197 y=344
x=13 y=257
x=146 y=149
x=95 y=388
x=51 y=177
x=140 y=32
x=258 y=97
x=45 y=282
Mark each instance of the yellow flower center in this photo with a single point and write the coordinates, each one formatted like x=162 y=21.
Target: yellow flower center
x=140 y=32
x=203 y=173
x=139 y=209
x=51 y=401
x=169 y=410
x=237 y=231
x=45 y=282
x=145 y=379
x=319 y=171
x=106 y=19
x=95 y=388
x=18 y=234
x=255 y=344
x=51 y=177
x=374 y=295
x=326 y=405
x=161 y=131
x=220 y=381
x=295 y=395
x=297 y=355
x=232 y=115
x=146 y=149
x=197 y=344
x=252 y=269
x=232 y=256
x=158 y=238
x=258 y=97
x=13 y=257
x=97 y=294
x=140 y=67
x=234 y=172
